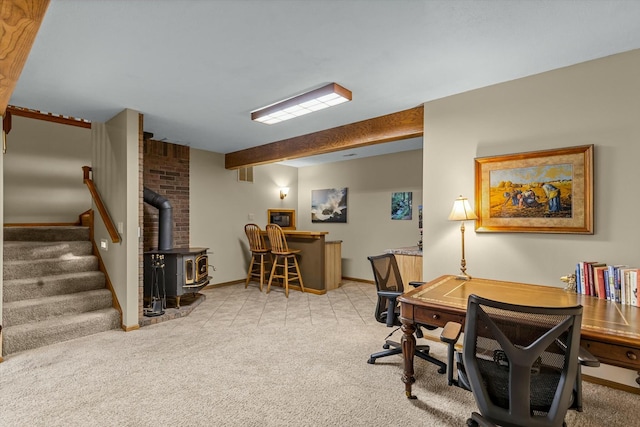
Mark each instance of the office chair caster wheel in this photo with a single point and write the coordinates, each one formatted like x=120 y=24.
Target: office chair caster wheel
x=442 y=370
x=471 y=423
x=385 y=346
x=371 y=361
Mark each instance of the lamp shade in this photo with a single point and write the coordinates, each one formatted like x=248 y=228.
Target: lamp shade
x=461 y=210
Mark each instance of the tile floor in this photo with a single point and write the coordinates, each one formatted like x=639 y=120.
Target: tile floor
x=351 y=303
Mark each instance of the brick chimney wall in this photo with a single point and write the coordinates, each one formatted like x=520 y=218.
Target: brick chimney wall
x=166 y=171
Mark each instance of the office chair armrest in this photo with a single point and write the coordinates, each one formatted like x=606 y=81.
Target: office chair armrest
x=450 y=335
x=584 y=357
x=393 y=296
x=391 y=308
x=451 y=332
x=416 y=284
x=587 y=359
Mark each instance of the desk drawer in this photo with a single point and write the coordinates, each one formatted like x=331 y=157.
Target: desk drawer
x=617 y=355
x=435 y=317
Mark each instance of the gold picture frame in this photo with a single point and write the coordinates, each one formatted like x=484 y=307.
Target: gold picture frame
x=285 y=218
x=548 y=191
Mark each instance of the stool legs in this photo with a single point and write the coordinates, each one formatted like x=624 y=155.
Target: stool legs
x=287 y=275
x=257 y=264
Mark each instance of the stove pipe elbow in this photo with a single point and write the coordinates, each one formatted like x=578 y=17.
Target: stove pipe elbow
x=165 y=223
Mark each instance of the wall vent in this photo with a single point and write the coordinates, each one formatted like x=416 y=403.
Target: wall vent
x=245 y=174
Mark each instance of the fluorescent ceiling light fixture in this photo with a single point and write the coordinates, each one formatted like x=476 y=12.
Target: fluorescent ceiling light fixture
x=317 y=99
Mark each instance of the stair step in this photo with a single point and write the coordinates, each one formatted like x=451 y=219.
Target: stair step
x=53 y=290
x=47 y=286
x=63 y=328
x=46 y=234
x=48 y=267
x=39 y=309
x=29 y=250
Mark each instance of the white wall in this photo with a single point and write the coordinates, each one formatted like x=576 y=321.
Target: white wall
x=596 y=102
x=220 y=206
x=43 y=172
x=370 y=229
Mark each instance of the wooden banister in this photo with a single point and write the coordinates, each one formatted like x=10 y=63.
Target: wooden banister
x=108 y=222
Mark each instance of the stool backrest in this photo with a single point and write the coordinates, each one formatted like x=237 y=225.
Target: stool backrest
x=277 y=239
x=255 y=237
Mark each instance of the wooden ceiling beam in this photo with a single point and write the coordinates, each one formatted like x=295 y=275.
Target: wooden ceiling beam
x=392 y=127
x=21 y=21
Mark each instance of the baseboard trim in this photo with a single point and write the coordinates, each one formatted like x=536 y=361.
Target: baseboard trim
x=130 y=328
x=612 y=384
x=223 y=284
x=355 y=279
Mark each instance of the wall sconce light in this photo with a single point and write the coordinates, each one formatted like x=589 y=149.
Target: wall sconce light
x=299 y=105
x=283 y=192
x=461 y=212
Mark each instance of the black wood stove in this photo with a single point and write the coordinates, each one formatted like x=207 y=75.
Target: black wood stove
x=185 y=271
x=170 y=272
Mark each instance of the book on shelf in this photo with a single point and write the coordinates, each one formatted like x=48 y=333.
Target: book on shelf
x=599 y=281
x=634 y=288
x=580 y=277
x=584 y=270
x=616 y=283
x=629 y=286
x=623 y=286
x=593 y=291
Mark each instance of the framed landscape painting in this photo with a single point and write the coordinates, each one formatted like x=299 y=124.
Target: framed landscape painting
x=547 y=191
x=329 y=205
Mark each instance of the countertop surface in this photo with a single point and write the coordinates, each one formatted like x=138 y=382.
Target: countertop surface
x=409 y=250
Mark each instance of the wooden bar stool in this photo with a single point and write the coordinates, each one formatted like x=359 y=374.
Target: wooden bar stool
x=260 y=255
x=284 y=258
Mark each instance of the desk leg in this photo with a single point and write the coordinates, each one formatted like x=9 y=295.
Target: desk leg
x=408 y=350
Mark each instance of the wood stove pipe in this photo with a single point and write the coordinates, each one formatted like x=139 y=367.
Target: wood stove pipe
x=165 y=222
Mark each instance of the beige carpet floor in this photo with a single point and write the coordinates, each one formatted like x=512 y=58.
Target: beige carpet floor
x=243 y=358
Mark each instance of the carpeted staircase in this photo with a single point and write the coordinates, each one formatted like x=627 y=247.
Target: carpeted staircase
x=53 y=289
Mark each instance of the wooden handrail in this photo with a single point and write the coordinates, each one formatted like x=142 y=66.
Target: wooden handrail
x=108 y=222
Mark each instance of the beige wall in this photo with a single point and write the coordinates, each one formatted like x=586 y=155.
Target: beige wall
x=116 y=175
x=220 y=207
x=43 y=172
x=596 y=102
x=370 y=229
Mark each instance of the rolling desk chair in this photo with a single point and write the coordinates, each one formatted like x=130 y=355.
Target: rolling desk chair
x=520 y=362
x=389 y=286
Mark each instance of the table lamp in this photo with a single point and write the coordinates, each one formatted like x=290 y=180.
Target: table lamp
x=461 y=212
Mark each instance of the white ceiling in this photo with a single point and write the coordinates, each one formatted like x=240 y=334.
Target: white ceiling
x=196 y=69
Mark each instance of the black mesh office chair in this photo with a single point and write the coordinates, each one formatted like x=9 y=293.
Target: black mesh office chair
x=520 y=362
x=389 y=286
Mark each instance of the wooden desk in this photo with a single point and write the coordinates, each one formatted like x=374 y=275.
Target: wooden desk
x=610 y=331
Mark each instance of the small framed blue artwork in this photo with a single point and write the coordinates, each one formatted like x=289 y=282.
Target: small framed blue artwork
x=401 y=205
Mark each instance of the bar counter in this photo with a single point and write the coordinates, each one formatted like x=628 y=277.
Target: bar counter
x=320 y=260
x=409 y=261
